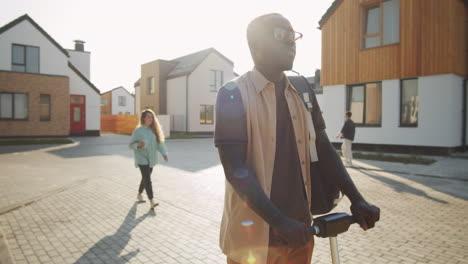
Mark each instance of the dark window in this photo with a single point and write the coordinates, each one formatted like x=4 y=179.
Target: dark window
x=365 y=102
x=216 y=80
x=122 y=101
x=150 y=85
x=381 y=24
x=409 y=102
x=45 y=107
x=206 y=114
x=13 y=106
x=25 y=59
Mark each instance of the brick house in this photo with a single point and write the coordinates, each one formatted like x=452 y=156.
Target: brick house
x=45 y=90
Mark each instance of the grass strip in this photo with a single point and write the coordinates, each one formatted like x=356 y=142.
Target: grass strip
x=45 y=141
x=412 y=159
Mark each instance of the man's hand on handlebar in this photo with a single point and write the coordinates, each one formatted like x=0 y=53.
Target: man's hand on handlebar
x=295 y=233
x=365 y=214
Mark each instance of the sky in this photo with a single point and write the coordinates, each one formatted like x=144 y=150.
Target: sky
x=122 y=35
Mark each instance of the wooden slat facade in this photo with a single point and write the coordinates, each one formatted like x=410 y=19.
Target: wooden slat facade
x=433 y=40
x=123 y=124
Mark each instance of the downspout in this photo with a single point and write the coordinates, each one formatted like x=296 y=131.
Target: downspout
x=186 y=103
x=464 y=87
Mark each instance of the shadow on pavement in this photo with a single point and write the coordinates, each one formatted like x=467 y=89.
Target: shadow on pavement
x=110 y=247
x=189 y=155
x=402 y=187
x=93 y=150
x=192 y=155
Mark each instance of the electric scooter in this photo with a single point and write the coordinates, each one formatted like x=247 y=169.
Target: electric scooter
x=330 y=226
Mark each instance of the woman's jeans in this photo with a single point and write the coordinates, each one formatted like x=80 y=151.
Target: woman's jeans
x=146 y=180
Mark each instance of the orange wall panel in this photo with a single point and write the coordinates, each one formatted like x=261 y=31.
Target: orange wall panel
x=124 y=124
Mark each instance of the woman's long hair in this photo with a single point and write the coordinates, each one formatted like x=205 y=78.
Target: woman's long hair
x=155 y=127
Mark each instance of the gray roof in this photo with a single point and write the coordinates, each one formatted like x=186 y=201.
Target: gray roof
x=188 y=63
x=137 y=83
x=116 y=89
x=83 y=78
x=329 y=12
x=27 y=18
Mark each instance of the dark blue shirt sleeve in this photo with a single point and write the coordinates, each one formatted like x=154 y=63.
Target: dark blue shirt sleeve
x=231 y=121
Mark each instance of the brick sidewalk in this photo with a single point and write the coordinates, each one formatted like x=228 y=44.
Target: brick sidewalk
x=97 y=220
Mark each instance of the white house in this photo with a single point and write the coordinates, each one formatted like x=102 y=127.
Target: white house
x=44 y=89
x=117 y=101
x=185 y=89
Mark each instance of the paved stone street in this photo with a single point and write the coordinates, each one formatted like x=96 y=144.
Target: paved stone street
x=76 y=204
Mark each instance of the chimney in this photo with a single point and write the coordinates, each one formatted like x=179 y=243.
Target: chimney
x=317 y=78
x=79 y=45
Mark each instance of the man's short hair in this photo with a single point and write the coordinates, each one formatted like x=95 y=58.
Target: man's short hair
x=348 y=114
x=257 y=25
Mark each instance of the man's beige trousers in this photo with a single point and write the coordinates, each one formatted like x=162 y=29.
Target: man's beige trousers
x=347 y=152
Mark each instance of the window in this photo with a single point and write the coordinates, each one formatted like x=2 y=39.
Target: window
x=103 y=101
x=150 y=85
x=25 y=59
x=216 y=80
x=122 y=101
x=13 y=106
x=381 y=24
x=409 y=102
x=44 y=107
x=206 y=114
x=365 y=102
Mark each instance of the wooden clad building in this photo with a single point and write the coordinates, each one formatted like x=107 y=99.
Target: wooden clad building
x=400 y=66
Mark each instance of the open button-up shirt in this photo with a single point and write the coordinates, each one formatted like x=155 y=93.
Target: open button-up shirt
x=244 y=235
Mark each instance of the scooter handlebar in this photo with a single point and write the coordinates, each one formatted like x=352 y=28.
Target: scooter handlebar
x=331 y=225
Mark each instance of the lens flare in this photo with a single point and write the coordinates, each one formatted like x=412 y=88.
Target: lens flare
x=247 y=223
x=251 y=258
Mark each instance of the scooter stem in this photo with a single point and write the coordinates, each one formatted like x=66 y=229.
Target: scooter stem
x=334 y=250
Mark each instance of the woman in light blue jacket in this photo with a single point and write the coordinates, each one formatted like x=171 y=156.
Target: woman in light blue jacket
x=147 y=140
